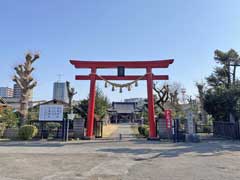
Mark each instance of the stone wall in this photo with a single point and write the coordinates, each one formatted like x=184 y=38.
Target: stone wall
x=163 y=132
x=11 y=133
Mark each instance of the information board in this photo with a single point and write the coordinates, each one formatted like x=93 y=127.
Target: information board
x=51 y=113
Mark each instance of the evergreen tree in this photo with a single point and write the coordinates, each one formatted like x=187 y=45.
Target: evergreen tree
x=222 y=97
x=101 y=105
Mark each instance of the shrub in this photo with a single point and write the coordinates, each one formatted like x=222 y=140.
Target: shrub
x=140 y=130
x=143 y=130
x=53 y=126
x=207 y=129
x=27 y=132
x=9 y=118
x=146 y=131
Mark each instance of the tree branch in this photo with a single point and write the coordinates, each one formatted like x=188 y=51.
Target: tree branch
x=31 y=86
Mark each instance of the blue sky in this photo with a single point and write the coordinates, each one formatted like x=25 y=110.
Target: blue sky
x=188 y=31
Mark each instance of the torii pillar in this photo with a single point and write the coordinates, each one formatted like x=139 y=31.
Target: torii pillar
x=151 y=111
x=91 y=104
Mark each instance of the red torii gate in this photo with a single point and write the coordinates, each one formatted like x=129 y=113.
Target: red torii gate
x=148 y=65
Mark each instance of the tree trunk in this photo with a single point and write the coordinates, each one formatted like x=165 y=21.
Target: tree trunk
x=24 y=107
x=201 y=98
x=228 y=74
x=234 y=74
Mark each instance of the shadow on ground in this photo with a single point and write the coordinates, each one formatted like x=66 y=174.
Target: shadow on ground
x=151 y=149
x=203 y=149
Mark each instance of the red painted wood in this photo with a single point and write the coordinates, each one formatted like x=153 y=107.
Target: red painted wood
x=151 y=113
x=127 y=78
x=91 y=104
x=126 y=64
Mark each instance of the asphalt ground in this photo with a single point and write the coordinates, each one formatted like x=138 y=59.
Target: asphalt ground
x=115 y=159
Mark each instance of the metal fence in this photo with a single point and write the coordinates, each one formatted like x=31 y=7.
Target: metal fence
x=226 y=129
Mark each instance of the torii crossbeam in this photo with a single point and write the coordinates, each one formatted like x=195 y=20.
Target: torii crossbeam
x=148 y=65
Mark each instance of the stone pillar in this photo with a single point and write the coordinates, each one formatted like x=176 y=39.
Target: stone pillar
x=78 y=128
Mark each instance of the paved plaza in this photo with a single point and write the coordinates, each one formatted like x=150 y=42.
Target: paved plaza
x=114 y=159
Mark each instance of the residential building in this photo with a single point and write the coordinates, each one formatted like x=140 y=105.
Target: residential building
x=17 y=92
x=13 y=102
x=3 y=104
x=52 y=102
x=6 y=92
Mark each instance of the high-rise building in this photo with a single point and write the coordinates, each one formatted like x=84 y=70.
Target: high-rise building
x=60 y=91
x=17 y=92
x=6 y=92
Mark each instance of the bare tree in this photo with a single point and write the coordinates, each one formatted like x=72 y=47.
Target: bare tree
x=174 y=97
x=163 y=95
x=71 y=93
x=174 y=90
x=25 y=81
